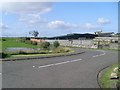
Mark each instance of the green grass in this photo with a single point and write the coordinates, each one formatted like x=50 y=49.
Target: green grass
x=13 y=42
x=105 y=80
x=31 y=55
x=53 y=54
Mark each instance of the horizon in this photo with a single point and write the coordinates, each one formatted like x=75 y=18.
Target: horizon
x=46 y=36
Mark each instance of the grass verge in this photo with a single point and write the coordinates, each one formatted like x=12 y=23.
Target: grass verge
x=52 y=52
x=105 y=80
x=32 y=55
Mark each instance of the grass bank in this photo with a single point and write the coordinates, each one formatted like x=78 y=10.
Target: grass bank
x=105 y=80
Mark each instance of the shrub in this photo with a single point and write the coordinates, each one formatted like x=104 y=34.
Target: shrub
x=61 y=50
x=34 y=43
x=56 y=44
x=4 y=55
x=0 y=54
x=43 y=52
x=3 y=39
x=45 y=45
x=66 y=49
x=22 y=52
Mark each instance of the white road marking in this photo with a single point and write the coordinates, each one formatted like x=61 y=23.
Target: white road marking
x=95 y=56
x=46 y=66
x=100 y=54
x=33 y=66
x=59 y=63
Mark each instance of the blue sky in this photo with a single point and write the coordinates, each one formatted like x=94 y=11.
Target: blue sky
x=59 y=18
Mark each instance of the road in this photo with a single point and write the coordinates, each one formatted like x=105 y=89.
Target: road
x=76 y=71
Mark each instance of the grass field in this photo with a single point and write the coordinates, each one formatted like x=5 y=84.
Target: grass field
x=105 y=80
x=13 y=42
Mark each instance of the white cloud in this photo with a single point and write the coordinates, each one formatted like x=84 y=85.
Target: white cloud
x=61 y=25
x=103 y=21
x=89 y=26
x=27 y=7
x=32 y=19
x=30 y=12
x=3 y=26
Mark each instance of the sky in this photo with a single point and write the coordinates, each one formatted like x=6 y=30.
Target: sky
x=57 y=18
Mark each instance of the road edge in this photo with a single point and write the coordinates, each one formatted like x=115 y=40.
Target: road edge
x=99 y=75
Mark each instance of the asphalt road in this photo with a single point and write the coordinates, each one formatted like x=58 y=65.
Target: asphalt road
x=77 y=71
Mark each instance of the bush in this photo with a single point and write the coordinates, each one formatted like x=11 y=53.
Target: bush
x=3 y=39
x=4 y=55
x=22 y=52
x=34 y=43
x=61 y=50
x=43 y=52
x=66 y=49
x=45 y=45
x=27 y=41
x=56 y=44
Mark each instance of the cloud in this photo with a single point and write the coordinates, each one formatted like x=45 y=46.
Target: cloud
x=64 y=25
x=61 y=25
x=32 y=19
x=27 y=7
x=3 y=26
x=89 y=26
x=29 y=13
x=103 y=21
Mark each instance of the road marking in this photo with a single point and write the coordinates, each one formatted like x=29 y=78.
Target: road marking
x=33 y=66
x=59 y=63
x=100 y=54
x=95 y=56
x=46 y=66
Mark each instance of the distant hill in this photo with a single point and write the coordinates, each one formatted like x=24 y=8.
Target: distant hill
x=75 y=36
x=69 y=36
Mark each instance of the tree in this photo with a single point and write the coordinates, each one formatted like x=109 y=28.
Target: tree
x=34 y=33
x=56 y=44
x=45 y=45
